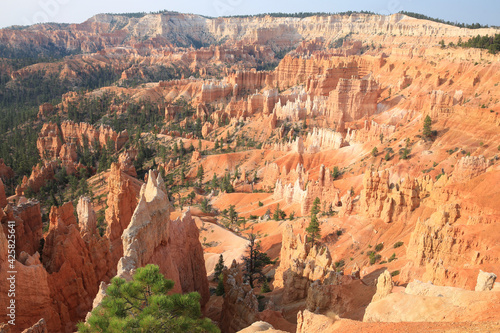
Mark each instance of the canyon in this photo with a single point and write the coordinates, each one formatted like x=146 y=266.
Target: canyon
x=216 y=130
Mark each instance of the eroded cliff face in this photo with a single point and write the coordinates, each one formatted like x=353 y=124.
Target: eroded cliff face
x=388 y=201
x=72 y=276
x=105 y=30
x=61 y=142
x=28 y=225
x=300 y=265
x=122 y=201
x=240 y=308
x=152 y=238
x=304 y=192
x=35 y=295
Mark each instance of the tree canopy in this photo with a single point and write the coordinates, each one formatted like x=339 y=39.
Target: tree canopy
x=142 y=305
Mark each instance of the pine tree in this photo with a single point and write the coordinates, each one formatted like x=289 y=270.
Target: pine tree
x=427 y=131
x=200 y=174
x=143 y=305
x=219 y=267
x=214 y=182
x=220 y=286
x=233 y=214
x=276 y=215
x=255 y=261
x=191 y=197
x=183 y=174
x=176 y=148
x=314 y=230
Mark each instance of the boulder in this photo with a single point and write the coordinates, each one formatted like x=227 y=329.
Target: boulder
x=485 y=281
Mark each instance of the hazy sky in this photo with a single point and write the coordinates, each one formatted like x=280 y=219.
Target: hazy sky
x=25 y=12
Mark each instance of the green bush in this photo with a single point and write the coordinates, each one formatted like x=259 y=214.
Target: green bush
x=374 y=258
x=265 y=287
x=398 y=244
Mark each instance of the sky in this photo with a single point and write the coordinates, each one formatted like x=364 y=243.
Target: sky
x=27 y=12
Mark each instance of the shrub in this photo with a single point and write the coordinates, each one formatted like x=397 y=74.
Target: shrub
x=374 y=258
x=392 y=258
x=335 y=172
x=261 y=204
x=395 y=273
x=379 y=247
x=398 y=244
x=265 y=287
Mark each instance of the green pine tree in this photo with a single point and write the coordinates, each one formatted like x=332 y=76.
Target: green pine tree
x=214 y=183
x=255 y=261
x=314 y=230
x=427 y=131
x=219 y=267
x=220 y=286
x=143 y=305
x=200 y=174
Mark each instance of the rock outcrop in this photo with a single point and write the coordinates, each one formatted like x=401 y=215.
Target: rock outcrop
x=152 y=238
x=61 y=142
x=352 y=100
x=73 y=278
x=240 y=307
x=122 y=201
x=40 y=174
x=308 y=321
x=301 y=265
x=304 y=192
x=260 y=326
x=6 y=172
x=87 y=218
x=342 y=295
x=384 y=286
x=387 y=201
x=437 y=239
x=424 y=302
x=33 y=294
x=3 y=197
x=28 y=225
x=469 y=167
x=485 y=281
